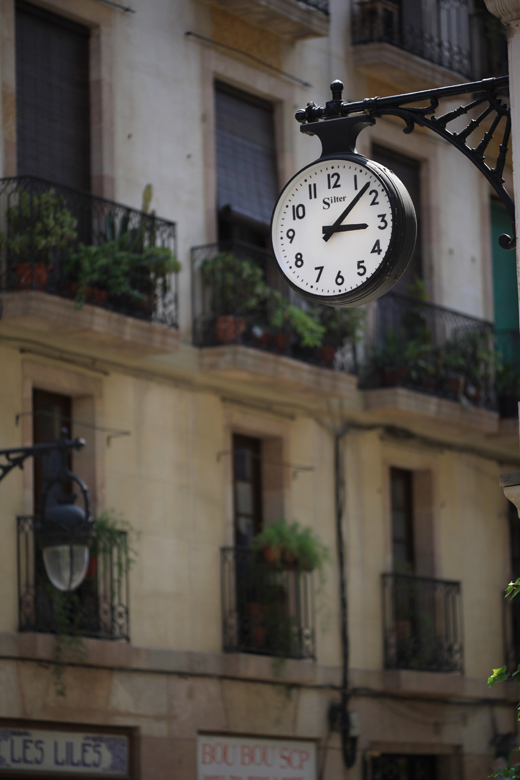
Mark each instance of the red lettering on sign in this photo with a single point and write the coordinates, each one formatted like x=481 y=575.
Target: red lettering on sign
x=293 y=759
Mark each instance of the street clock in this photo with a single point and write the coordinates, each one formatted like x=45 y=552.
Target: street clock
x=344 y=227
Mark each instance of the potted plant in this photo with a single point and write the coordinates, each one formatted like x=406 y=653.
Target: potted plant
x=470 y=365
x=341 y=326
x=115 y=270
x=287 y=320
x=237 y=288
x=38 y=227
x=126 y=265
x=289 y=546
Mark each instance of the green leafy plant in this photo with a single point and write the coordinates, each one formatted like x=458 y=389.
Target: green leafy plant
x=125 y=264
x=290 y=544
x=501 y=674
x=109 y=525
x=67 y=607
x=38 y=226
x=69 y=642
x=417 y=289
x=305 y=324
x=238 y=288
x=341 y=325
x=114 y=266
x=237 y=284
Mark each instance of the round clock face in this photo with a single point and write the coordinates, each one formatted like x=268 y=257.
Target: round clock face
x=343 y=230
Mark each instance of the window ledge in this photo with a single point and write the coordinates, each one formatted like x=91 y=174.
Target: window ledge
x=45 y=313
x=246 y=364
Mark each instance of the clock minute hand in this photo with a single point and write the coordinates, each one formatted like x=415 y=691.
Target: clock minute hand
x=334 y=228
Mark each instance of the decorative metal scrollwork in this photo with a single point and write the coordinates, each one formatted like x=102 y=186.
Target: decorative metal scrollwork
x=487 y=94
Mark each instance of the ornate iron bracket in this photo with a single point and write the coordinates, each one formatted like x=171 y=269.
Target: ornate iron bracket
x=348 y=119
x=15 y=457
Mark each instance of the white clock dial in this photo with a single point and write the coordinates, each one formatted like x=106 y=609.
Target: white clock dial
x=332 y=227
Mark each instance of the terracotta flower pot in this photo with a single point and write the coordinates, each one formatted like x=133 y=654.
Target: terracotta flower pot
x=31 y=276
x=256 y=615
x=269 y=556
x=392 y=376
x=280 y=341
x=229 y=328
x=326 y=355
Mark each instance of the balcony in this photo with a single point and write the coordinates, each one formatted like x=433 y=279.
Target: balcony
x=293 y=19
x=254 y=328
x=435 y=351
x=98 y=608
x=73 y=263
x=266 y=610
x=419 y=44
x=422 y=624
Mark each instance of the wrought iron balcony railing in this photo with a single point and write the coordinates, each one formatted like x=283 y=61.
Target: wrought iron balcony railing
x=422 y=624
x=98 y=608
x=443 y=32
x=79 y=246
x=239 y=297
x=432 y=349
x=266 y=610
x=319 y=5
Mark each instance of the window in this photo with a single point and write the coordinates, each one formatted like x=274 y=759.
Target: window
x=247 y=185
x=51 y=413
x=409 y=171
x=99 y=607
x=52 y=97
x=403 y=767
x=402 y=521
x=247 y=480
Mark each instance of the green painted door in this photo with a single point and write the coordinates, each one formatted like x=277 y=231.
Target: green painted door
x=505 y=288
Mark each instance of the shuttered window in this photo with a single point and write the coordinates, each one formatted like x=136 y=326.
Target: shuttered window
x=409 y=171
x=246 y=156
x=52 y=97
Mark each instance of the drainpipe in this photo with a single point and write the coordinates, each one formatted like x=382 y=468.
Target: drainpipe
x=340 y=716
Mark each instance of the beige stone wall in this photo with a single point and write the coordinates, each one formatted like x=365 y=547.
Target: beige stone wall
x=171 y=476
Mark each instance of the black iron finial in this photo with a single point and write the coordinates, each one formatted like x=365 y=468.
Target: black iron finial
x=337 y=89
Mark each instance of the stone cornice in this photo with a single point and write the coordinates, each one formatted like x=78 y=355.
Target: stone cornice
x=506 y=10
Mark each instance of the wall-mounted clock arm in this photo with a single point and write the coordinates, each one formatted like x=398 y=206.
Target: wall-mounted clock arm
x=338 y=125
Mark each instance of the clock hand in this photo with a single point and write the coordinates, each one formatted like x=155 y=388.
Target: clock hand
x=334 y=228
x=345 y=228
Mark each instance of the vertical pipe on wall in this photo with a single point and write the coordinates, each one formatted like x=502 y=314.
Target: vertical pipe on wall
x=348 y=743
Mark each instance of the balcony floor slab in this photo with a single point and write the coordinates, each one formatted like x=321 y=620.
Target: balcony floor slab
x=398 y=404
x=45 y=313
x=245 y=364
x=287 y=18
x=406 y=71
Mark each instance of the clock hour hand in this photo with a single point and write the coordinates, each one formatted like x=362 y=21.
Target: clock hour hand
x=345 y=228
x=334 y=228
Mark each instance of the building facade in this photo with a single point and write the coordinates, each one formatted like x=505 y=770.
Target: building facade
x=137 y=132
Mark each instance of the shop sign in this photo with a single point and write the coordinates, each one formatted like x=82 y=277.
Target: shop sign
x=249 y=758
x=66 y=752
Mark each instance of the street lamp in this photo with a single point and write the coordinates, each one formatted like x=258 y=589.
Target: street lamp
x=64 y=531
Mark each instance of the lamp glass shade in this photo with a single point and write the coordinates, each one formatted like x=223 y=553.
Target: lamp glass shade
x=66 y=565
